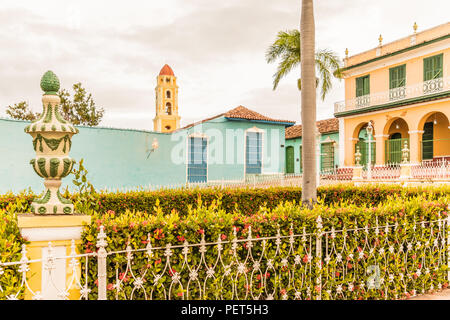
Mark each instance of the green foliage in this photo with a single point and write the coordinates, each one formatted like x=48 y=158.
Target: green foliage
x=21 y=111
x=163 y=227
x=79 y=109
x=246 y=200
x=185 y=215
x=86 y=196
x=287 y=48
x=11 y=243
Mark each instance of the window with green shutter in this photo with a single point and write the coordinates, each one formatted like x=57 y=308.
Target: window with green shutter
x=433 y=67
x=397 y=82
x=362 y=91
x=397 y=77
x=362 y=86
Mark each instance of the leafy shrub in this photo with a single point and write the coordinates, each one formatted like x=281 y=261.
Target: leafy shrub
x=85 y=198
x=11 y=243
x=212 y=222
x=246 y=200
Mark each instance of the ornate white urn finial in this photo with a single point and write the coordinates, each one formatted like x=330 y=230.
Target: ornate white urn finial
x=52 y=142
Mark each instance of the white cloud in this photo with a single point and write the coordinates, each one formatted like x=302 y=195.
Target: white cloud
x=216 y=49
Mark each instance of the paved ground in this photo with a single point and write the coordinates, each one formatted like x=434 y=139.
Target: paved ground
x=443 y=295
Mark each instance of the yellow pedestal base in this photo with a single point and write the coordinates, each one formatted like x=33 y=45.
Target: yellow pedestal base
x=60 y=230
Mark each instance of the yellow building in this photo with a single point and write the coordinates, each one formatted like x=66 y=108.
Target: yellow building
x=167 y=118
x=403 y=89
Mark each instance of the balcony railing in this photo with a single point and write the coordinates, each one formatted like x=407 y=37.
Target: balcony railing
x=417 y=90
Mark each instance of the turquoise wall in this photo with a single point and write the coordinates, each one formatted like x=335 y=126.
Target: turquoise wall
x=297 y=142
x=226 y=147
x=118 y=158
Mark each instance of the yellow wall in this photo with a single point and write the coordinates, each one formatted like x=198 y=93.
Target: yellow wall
x=400 y=44
x=162 y=119
x=415 y=116
x=379 y=78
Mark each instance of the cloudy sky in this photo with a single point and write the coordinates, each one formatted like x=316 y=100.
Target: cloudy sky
x=216 y=49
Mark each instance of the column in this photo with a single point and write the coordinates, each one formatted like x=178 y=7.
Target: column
x=341 y=144
x=415 y=138
x=380 y=140
x=351 y=151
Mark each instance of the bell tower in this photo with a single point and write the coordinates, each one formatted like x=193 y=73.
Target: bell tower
x=167 y=118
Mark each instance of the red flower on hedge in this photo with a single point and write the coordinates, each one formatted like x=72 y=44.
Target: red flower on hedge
x=201 y=231
x=158 y=234
x=223 y=237
x=181 y=238
x=172 y=271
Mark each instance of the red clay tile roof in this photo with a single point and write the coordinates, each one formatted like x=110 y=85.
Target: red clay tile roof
x=325 y=126
x=238 y=113
x=166 y=71
x=244 y=113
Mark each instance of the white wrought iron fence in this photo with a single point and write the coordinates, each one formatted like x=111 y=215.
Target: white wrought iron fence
x=385 y=172
x=323 y=264
x=54 y=284
x=431 y=170
x=251 y=181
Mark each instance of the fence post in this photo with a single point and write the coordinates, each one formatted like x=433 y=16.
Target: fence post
x=101 y=263
x=319 y=258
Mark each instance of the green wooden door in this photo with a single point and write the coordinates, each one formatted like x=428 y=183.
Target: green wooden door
x=364 y=150
x=427 y=141
x=301 y=160
x=290 y=160
x=327 y=156
x=394 y=148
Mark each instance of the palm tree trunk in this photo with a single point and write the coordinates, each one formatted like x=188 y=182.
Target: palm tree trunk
x=308 y=106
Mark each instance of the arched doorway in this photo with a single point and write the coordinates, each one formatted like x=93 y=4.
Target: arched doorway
x=397 y=132
x=290 y=160
x=435 y=143
x=362 y=144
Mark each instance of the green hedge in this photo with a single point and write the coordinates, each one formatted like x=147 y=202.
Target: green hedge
x=11 y=243
x=246 y=200
x=214 y=221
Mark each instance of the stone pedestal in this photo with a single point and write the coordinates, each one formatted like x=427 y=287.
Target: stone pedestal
x=357 y=173
x=60 y=230
x=405 y=171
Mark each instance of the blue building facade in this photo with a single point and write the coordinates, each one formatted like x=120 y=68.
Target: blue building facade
x=228 y=147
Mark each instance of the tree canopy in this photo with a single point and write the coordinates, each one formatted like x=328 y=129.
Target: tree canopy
x=286 y=49
x=79 y=109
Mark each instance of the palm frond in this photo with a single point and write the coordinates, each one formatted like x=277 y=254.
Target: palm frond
x=286 y=49
x=285 y=66
x=286 y=42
